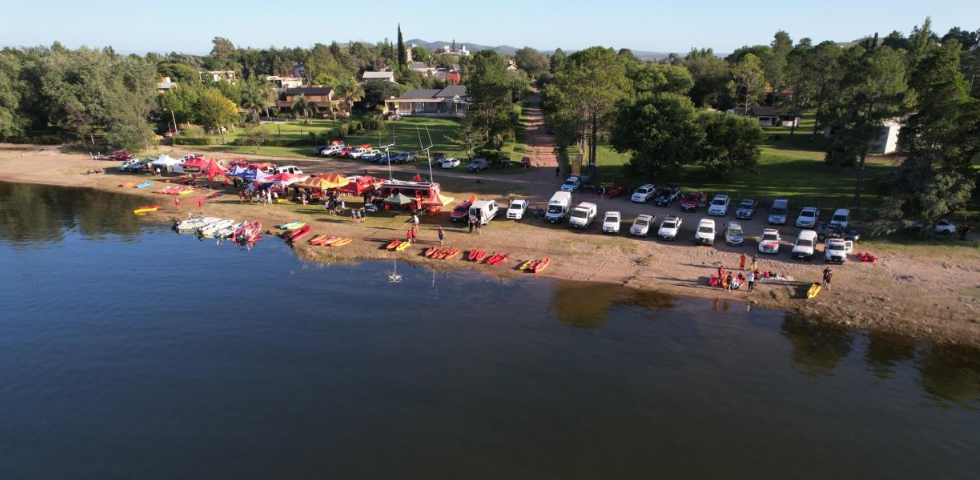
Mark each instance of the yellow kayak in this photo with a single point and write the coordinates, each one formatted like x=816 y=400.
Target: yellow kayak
x=402 y=246
x=813 y=291
x=525 y=265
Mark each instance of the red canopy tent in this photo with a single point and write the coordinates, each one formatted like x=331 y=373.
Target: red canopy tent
x=196 y=162
x=360 y=185
x=212 y=169
x=284 y=178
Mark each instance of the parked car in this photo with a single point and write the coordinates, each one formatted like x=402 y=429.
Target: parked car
x=719 y=205
x=842 y=217
x=641 y=226
x=827 y=230
x=612 y=222
x=694 y=201
x=617 y=190
x=572 y=184
x=669 y=227
x=734 y=236
x=746 y=209
x=517 y=209
x=778 y=212
x=808 y=217
x=396 y=158
x=667 y=196
x=644 y=193
x=705 y=234
x=558 y=206
x=345 y=152
x=484 y=211
x=583 y=215
x=478 y=164
x=318 y=150
x=410 y=157
x=290 y=169
x=461 y=213
x=357 y=152
x=332 y=150
x=769 y=241
x=373 y=156
x=806 y=243
x=836 y=250
x=944 y=227
x=437 y=160
x=450 y=162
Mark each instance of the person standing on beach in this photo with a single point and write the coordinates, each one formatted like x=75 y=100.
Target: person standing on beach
x=415 y=220
x=827 y=277
x=177 y=202
x=755 y=264
x=200 y=204
x=741 y=262
x=353 y=215
x=751 y=281
x=442 y=236
x=721 y=272
x=472 y=221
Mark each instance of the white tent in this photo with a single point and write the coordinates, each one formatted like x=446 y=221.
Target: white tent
x=168 y=162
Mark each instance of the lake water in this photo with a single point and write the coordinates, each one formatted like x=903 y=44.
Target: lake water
x=128 y=351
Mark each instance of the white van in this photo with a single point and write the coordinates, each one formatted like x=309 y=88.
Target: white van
x=583 y=215
x=806 y=242
x=484 y=211
x=705 y=233
x=836 y=250
x=288 y=169
x=842 y=217
x=558 y=206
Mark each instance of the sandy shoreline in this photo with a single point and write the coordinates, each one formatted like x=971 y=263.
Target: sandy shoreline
x=933 y=296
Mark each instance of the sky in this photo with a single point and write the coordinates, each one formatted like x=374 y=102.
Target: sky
x=139 y=26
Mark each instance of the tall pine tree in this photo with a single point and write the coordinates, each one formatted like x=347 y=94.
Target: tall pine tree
x=402 y=57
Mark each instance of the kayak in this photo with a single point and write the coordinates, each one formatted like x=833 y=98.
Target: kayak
x=129 y=183
x=291 y=226
x=452 y=254
x=541 y=265
x=525 y=265
x=480 y=256
x=299 y=233
x=249 y=232
x=813 y=291
x=342 y=242
x=229 y=231
x=402 y=246
x=144 y=185
x=146 y=209
x=431 y=251
x=394 y=244
x=196 y=223
x=500 y=259
x=212 y=228
x=328 y=242
x=316 y=240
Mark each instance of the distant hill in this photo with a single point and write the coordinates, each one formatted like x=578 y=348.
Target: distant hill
x=509 y=50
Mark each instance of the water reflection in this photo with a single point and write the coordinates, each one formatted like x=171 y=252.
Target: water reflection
x=33 y=213
x=886 y=350
x=950 y=374
x=587 y=304
x=818 y=347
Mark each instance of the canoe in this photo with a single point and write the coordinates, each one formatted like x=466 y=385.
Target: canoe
x=299 y=233
x=402 y=246
x=394 y=244
x=342 y=242
x=480 y=256
x=500 y=259
x=146 y=209
x=525 y=265
x=316 y=240
x=541 y=265
x=813 y=291
x=452 y=254
x=144 y=185
x=432 y=250
x=291 y=226
x=328 y=242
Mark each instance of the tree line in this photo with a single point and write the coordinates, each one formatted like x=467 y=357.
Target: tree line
x=666 y=114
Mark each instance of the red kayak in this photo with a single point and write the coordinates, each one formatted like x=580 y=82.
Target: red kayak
x=480 y=256
x=430 y=252
x=298 y=233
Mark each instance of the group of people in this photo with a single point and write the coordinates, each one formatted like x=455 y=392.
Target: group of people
x=476 y=224
x=733 y=281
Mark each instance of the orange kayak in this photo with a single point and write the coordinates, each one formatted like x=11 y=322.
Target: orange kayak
x=342 y=242
x=540 y=265
x=394 y=244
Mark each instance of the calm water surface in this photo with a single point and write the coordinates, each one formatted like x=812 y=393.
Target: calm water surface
x=127 y=351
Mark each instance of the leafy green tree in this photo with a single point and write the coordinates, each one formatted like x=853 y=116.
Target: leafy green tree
x=74 y=84
x=257 y=96
x=12 y=123
x=556 y=61
x=299 y=106
x=133 y=101
x=748 y=81
x=872 y=89
x=731 y=142
x=377 y=91
x=491 y=100
x=659 y=78
x=255 y=136
x=775 y=69
x=824 y=73
x=214 y=110
x=710 y=74
x=921 y=42
x=179 y=72
x=584 y=96
x=222 y=50
x=421 y=54
x=182 y=102
x=349 y=92
x=661 y=133
x=469 y=136
x=531 y=61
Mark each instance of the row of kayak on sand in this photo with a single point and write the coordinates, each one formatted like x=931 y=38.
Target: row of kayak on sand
x=296 y=231
x=475 y=256
x=214 y=227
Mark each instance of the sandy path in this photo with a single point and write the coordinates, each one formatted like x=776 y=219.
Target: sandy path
x=926 y=292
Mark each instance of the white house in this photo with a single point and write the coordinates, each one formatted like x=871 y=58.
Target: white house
x=382 y=76
x=282 y=83
x=770 y=117
x=219 y=75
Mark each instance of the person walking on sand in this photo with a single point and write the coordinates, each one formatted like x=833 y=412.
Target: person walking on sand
x=415 y=220
x=751 y=281
x=200 y=204
x=177 y=202
x=828 y=276
x=442 y=236
x=728 y=283
x=741 y=262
